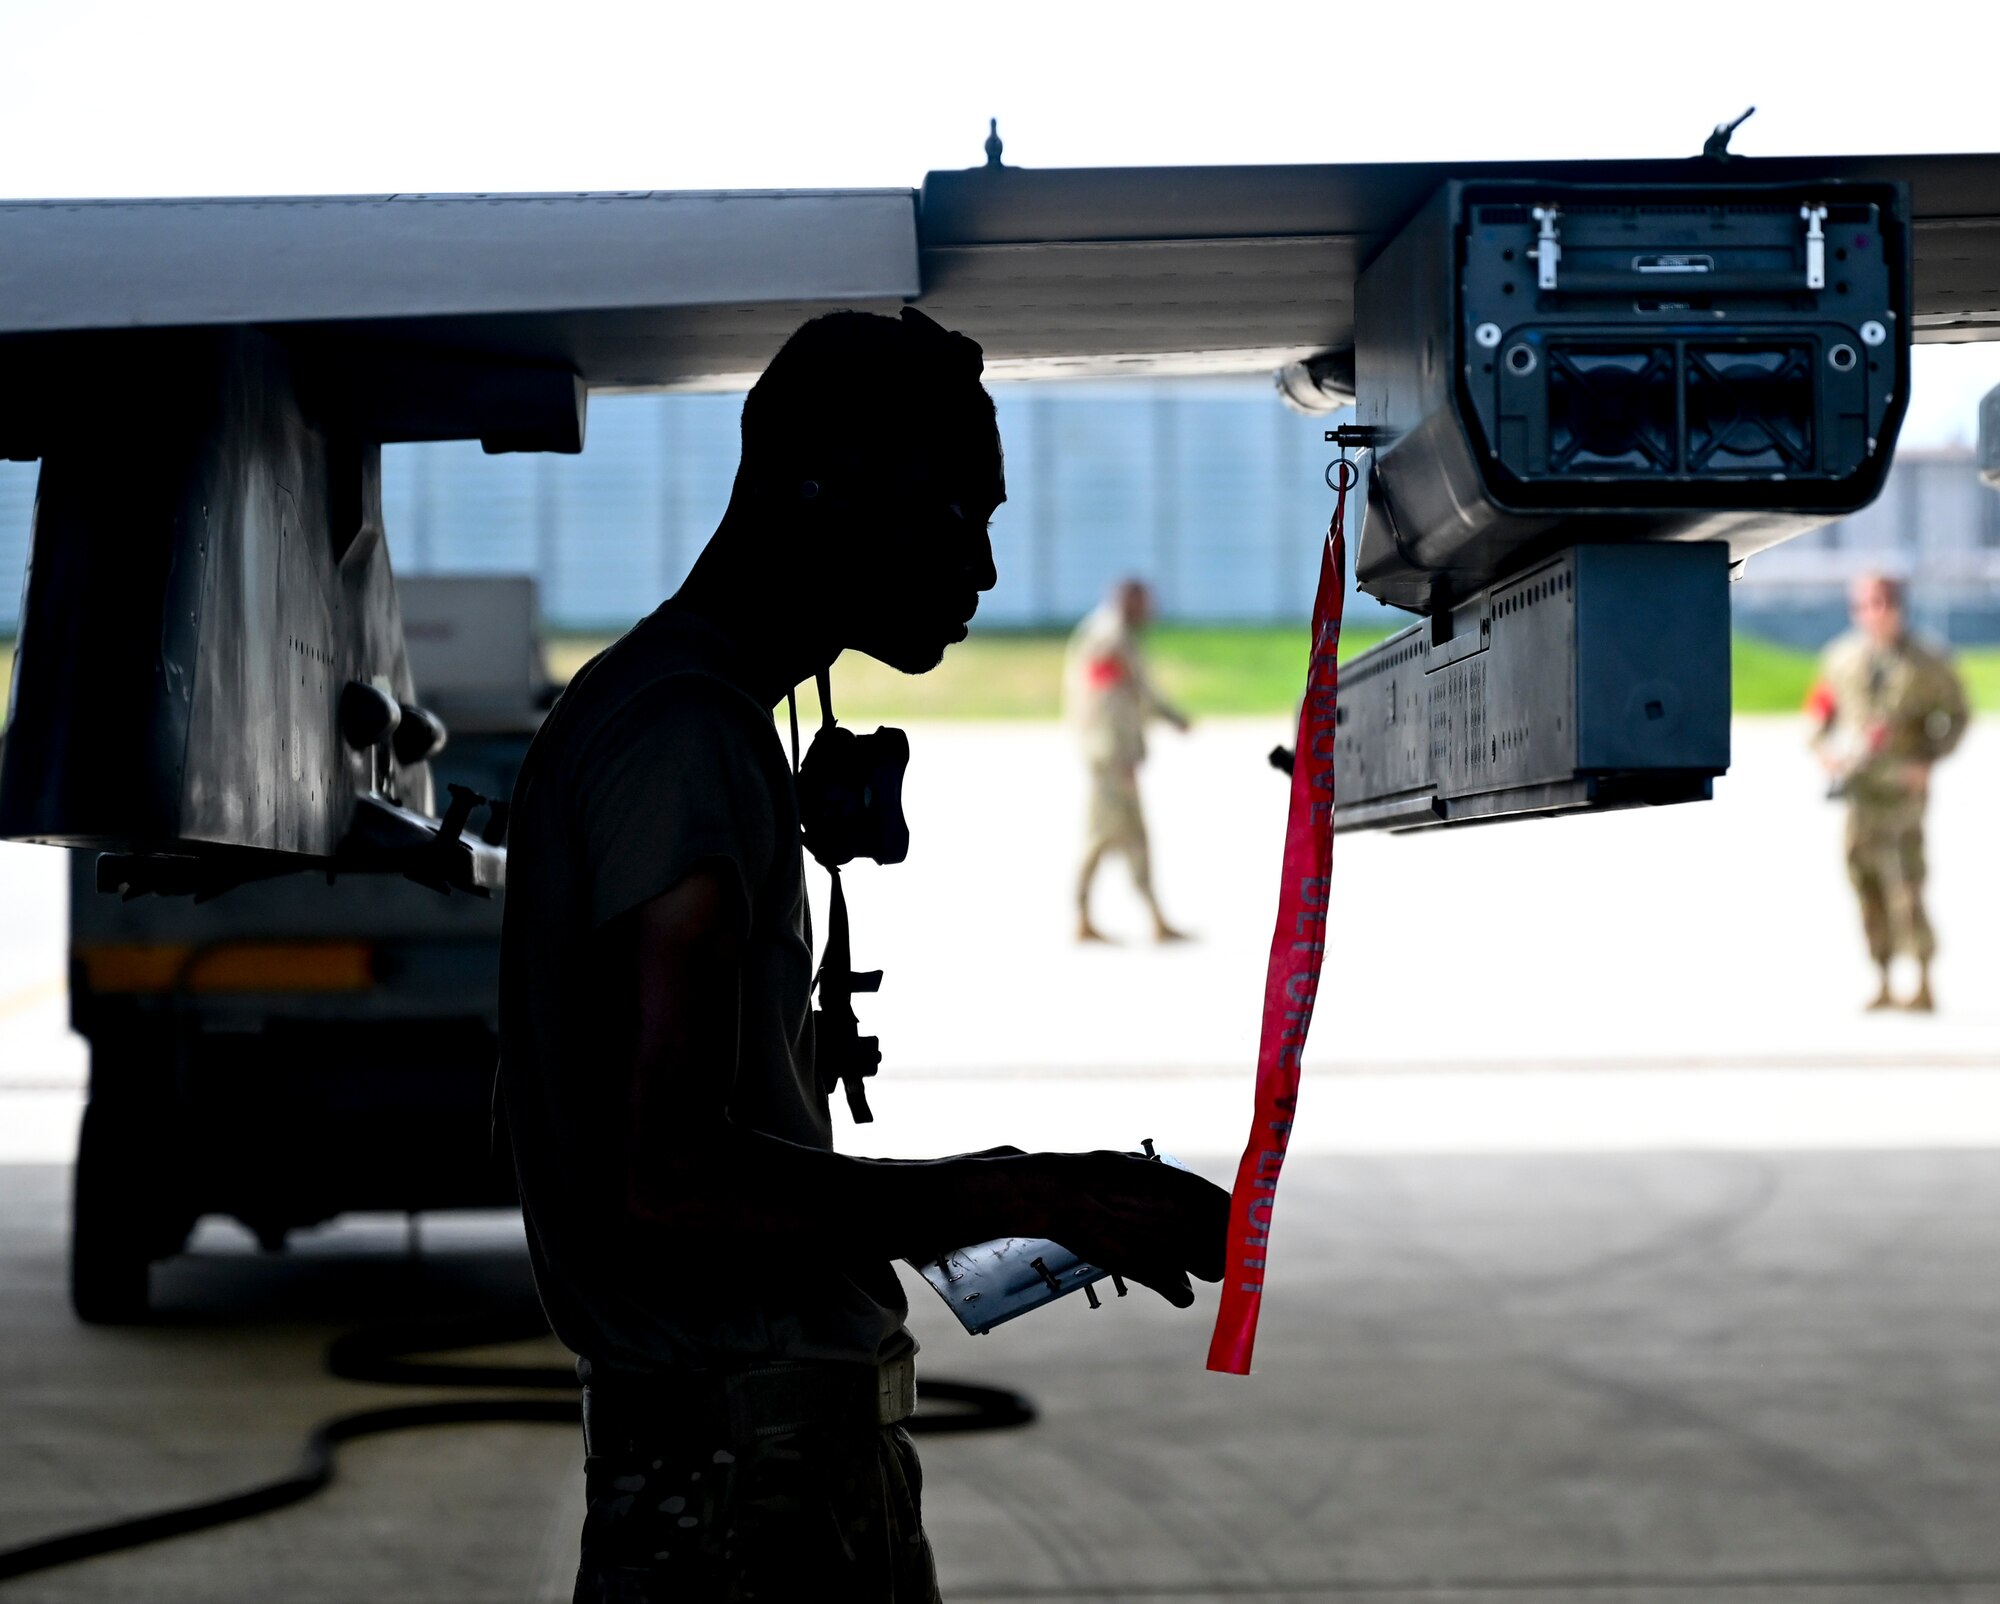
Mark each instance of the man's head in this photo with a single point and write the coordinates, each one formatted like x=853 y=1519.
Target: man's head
x=873 y=439
x=1875 y=603
x=1134 y=600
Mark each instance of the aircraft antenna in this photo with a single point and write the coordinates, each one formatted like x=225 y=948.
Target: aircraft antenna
x=993 y=146
x=1716 y=147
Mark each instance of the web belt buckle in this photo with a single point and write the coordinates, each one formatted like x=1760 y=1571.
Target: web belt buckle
x=779 y=1399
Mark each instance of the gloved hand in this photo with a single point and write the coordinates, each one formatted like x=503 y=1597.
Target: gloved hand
x=1143 y=1220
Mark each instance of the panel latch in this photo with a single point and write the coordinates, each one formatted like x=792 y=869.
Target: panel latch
x=1814 y=218
x=1548 y=248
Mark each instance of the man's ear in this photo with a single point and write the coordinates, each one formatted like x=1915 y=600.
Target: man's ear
x=836 y=490
x=822 y=519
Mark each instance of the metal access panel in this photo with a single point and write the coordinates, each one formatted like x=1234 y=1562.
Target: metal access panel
x=1549 y=364
x=1597 y=678
x=1696 y=339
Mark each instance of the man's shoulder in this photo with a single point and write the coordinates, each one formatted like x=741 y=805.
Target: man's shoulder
x=661 y=729
x=680 y=717
x=1933 y=656
x=653 y=681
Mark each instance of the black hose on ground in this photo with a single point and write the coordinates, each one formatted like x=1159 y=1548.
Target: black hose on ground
x=381 y=1354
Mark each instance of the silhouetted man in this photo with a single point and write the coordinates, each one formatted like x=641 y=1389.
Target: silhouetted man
x=724 y=1276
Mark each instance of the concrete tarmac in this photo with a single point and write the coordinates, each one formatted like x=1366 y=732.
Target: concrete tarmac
x=1631 y=1379
x=1621 y=1258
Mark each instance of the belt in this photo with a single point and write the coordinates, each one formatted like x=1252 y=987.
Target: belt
x=627 y=1415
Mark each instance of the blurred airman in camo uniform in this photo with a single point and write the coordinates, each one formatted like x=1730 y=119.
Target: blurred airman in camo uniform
x=1888 y=706
x=1110 y=699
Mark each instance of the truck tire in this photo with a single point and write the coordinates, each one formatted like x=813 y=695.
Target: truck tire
x=110 y=1243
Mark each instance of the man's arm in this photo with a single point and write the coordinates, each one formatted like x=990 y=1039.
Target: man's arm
x=708 y=1185
x=1944 y=726
x=1156 y=705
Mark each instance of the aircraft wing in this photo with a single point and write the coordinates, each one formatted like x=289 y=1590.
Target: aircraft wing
x=1080 y=272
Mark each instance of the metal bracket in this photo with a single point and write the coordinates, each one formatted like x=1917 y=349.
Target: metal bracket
x=204 y=877
x=386 y=836
x=1359 y=436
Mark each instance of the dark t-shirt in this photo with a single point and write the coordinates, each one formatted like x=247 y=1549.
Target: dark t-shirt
x=657 y=760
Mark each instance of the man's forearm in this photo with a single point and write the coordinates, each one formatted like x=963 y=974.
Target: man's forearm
x=736 y=1191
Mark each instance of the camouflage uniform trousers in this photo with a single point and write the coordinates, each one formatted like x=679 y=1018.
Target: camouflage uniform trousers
x=822 y=1513
x=1117 y=823
x=1885 y=863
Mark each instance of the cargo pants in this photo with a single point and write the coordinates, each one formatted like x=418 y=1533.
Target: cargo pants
x=680 y=1508
x=1885 y=863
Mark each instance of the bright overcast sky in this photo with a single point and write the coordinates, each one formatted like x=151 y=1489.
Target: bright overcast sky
x=178 y=97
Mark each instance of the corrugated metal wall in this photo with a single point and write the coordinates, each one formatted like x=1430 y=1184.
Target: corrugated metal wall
x=1212 y=490
x=1934 y=524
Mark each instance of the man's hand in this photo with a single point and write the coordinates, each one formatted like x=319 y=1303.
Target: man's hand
x=1149 y=1222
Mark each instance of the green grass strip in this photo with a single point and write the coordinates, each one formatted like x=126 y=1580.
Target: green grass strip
x=1209 y=670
